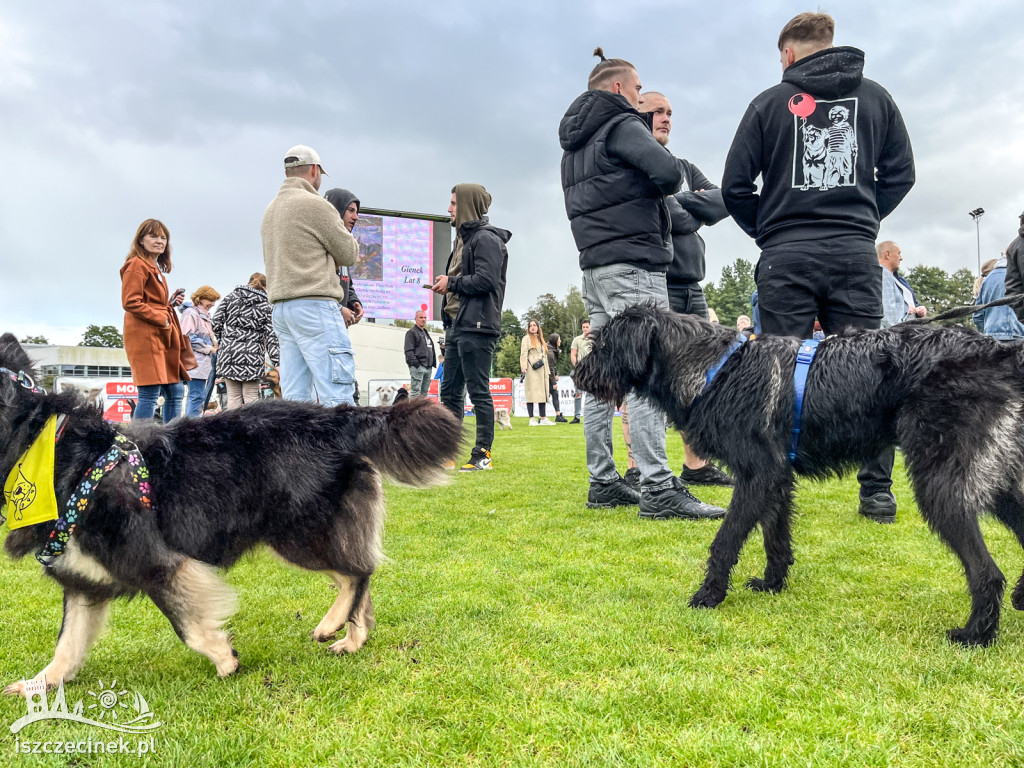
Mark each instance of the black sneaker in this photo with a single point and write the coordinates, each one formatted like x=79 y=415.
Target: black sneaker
x=880 y=507
x=575 y=420
x=613 y=494
x=560 y=419
x=477 y=463
x=709 y=474
x=632 y=478
x=676 y=502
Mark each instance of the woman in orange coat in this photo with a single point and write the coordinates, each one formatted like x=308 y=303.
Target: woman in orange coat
x=152 y=337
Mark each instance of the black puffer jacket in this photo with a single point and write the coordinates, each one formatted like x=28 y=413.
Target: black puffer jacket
x=831 y=148
x=481 y=286
x=245 y=334
x=614 y=177
x=690 y=210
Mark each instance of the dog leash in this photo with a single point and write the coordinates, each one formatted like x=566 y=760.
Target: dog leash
x=122 y=449
x=804 y=358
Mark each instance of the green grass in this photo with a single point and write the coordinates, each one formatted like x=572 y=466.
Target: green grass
x=516 y=627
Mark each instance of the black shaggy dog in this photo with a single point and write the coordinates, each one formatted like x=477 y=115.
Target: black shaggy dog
x=297 y=477
x=952 y=399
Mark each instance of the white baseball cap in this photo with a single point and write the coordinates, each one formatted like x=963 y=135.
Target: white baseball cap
x=300 y=154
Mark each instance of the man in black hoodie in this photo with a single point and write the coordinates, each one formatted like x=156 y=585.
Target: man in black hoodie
x=347 y=205
x=697 y=203
x=1015 y=269
x=473 y=287
x=835 y=159
x=615 y=177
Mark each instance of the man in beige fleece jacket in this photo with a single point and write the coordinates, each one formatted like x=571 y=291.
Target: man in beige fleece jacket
x=304 y=243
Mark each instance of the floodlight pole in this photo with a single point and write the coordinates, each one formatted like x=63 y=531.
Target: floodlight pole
x=976 y=214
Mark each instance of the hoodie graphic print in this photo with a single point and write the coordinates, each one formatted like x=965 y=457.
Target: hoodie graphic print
x=824 y=142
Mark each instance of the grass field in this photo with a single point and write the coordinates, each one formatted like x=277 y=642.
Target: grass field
x=516 y=627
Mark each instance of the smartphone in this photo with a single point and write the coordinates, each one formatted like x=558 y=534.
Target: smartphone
x=178 y=292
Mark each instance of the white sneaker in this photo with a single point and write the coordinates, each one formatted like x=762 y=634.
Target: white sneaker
x=546 y=422
x=534 y=422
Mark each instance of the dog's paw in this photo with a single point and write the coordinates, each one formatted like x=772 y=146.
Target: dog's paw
x=706 y=598
x=322 y=637
x=229 y=666
x=347 y=644
x=15 y=689
x=970 y=639
x=756 y=584
x=1017 y=598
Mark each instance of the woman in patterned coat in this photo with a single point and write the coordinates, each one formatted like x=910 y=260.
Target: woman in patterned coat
x=245 y=333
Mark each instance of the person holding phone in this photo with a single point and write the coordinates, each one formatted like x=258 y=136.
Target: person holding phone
x=156 y=349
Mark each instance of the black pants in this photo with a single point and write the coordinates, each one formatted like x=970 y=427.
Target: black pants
x=555 y=399
x=687 y=299
x=839 y=284
x=467 y=367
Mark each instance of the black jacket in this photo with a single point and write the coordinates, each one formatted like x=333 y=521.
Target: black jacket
x=419 y=348
x=836 y=172
x=614 y=177
x=481 y=286
x=689 y=211
x=1015 y=270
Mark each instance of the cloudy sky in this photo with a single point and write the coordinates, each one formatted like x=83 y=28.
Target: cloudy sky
x=113 y=112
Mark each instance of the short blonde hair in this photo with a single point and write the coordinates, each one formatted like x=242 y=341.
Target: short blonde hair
x=204 y=292
x=812 y=30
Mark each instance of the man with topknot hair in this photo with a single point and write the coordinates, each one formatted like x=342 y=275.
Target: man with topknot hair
x=615 y=176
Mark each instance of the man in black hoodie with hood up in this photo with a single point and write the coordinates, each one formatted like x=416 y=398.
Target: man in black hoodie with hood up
x=473 y=287
x=835 y=159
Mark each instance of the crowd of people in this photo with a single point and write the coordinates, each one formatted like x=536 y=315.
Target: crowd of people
x=833 y=157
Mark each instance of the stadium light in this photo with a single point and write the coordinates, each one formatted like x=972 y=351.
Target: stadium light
x=976 y=214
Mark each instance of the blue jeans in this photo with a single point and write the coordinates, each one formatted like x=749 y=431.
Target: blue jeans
x=607 y=291
x=419 y=381
x=197 y=389
x=316 y=354
x=148 y=394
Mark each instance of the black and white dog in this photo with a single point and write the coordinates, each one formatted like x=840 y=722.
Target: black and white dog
x=297 y=477
x=952 y=399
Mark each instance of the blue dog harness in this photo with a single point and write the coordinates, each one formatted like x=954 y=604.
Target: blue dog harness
x=713 y=370
x=804 y=358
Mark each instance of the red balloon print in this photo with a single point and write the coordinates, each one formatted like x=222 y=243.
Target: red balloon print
x=802 y=105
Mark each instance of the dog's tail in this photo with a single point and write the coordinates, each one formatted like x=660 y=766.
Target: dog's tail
x=410 y=443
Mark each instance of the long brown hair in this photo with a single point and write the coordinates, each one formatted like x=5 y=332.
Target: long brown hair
x=539 y=337
x=152 y=227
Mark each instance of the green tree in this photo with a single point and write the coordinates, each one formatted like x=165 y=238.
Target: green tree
x=731 y=297
x=401 y=323
x=938 y=291
x=35 y=340
x=510 y=325
x=101 y=336
x=506 y=361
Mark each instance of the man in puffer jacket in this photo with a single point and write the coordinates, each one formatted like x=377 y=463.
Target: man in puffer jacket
x=615 y=177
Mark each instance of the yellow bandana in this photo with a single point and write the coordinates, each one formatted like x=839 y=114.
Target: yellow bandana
x=28 y=491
